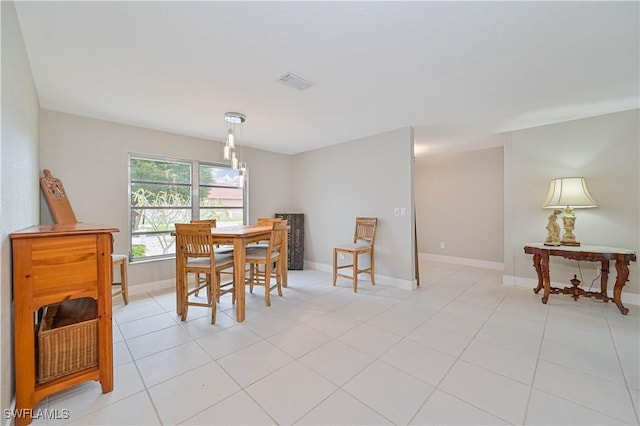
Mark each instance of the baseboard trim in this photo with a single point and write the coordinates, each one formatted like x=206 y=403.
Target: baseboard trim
x=627 y=298
x=380 y=279
x=461 y=261
x=152 y=286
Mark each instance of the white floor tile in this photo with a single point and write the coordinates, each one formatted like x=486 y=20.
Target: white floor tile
x=88 y=397
x=444 y=409
x=178 y=398
x=228 y=341
x=366 y=307
x=121 y=354
x=238 y=409
x=134 y=312
x=514 y=365
x=420 y=361
x=337 y=361
x=507 y=399
x=164 y=365
x=394 y=394
x=300 y=340
x=601 y=362
x=334 y=324
x=436 y=337
x=290 y=392
x=270 y=324
x=342 y=409
x=547 y=409
x=254 y=362
x=602 y=395
x=157 y=341
x=370 y=340
x=134 y=410
x=147 y=325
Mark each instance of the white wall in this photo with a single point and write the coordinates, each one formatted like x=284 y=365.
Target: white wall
x=366 y=177
x=19 y=186
x=91 y=158
x=603 y=149
x=460 y=201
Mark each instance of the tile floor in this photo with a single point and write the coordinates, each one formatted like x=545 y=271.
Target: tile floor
x=462 y=349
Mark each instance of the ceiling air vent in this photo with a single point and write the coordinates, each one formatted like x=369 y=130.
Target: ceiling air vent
x=295 y=81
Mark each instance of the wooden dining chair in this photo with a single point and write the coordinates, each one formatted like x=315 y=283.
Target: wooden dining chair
x=363 y=243
x=265 y=264
x=195 y=254
x=121 y=261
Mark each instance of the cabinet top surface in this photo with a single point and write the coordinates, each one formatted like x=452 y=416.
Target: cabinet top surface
x=584 y=248
x=58 y=229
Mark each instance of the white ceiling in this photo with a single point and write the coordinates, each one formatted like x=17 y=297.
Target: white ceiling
x=455 y=71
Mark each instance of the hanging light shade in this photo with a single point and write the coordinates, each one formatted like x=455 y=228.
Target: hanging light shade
x=230 y=153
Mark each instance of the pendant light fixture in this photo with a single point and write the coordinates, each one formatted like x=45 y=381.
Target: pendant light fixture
x=230 y=153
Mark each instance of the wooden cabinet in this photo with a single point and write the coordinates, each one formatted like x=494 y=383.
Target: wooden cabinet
x=51 y=264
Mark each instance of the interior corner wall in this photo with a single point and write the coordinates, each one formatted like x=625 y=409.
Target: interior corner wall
x=91 y=157
x=603 y=149
x=460 y=203
x=19 y=184
x=370 y=177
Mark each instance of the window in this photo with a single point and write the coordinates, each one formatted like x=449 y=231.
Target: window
x=167 y=191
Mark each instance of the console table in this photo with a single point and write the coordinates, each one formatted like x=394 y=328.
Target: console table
x=600 y=254
x=52 y=264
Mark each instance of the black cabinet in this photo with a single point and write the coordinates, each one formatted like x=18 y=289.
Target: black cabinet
x=295 y=239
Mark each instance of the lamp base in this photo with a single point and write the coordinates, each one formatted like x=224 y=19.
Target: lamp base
x=570 y=243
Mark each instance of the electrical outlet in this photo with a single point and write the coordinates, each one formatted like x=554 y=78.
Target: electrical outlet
x=442 y=245
x=396 y=211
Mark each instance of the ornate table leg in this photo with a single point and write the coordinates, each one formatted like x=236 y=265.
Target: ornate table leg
x=536 y=265
x=622 y=266
x=544 y=263
x=604 y=277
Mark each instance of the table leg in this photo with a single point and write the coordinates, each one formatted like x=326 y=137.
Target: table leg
x=544 y=264
x=178 y=287
x=239 y=254
x=284 y=262
x=604 y=278
x=536 y=265
x=622 y=267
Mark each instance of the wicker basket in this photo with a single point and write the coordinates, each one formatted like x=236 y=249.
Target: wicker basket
x=67 y=339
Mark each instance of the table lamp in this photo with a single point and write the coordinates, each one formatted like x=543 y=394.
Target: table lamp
x=568 y=193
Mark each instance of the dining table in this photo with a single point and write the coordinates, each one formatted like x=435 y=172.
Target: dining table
x=238 y=237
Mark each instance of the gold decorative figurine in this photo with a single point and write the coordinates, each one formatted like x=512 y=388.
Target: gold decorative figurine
x=553 y=230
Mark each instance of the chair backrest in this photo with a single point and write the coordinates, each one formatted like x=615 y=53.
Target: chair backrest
x=278 y=235
x=365 y=229
x=194 y=240
x=265 y=221
x=212 y=222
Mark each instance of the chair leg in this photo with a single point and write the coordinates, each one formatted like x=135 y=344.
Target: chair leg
x=124 y=284
x=213 y=289
x=335 y=266
x=185 y=296
x=371 y=269
x=355 y=271
x=267 y=284
x=279 y=281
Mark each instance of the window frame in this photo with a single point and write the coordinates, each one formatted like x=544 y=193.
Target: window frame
x=195 y=198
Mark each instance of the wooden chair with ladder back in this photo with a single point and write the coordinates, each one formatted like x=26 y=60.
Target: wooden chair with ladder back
x=196 y=254
x=363 y=243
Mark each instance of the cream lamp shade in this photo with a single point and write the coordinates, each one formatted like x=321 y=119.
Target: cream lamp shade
x=568 y=192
